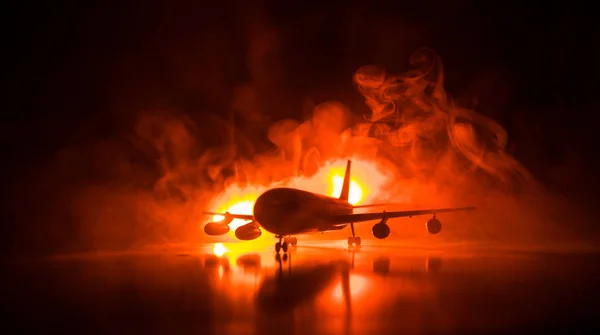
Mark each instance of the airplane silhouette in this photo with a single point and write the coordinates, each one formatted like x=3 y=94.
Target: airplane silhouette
x=286 y=212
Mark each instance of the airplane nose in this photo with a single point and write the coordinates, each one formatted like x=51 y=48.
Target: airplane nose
x=267 y=206
x=273 y=201
x=270 y=199
x=260 y=207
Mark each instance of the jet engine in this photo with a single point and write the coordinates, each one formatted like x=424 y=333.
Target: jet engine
x=434 y=226
x=219 y=227
x=381 y=230
x=248 y=231
x=216 y=228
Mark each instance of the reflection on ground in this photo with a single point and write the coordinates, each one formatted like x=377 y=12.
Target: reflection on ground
x=318 y=289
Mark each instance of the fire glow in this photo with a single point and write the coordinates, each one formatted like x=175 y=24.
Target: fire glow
x=356 y=193
x=366 y=182
x=219 y=249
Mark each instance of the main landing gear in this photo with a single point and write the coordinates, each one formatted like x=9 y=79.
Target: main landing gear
x=353 y=240
x=284 y=242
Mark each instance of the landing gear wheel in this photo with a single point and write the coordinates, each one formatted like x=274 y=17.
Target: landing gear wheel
x=284 y=246
x=354 y=241
x=285 y=257
x=278 y=247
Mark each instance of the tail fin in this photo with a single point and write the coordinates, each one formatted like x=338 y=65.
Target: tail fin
x=346 y=186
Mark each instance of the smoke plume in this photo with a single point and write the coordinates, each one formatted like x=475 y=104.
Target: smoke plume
x=150 y=185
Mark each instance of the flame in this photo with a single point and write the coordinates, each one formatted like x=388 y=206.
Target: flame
x=356 y=192
x=241 y=207
x=366 y=182
x=237 y=200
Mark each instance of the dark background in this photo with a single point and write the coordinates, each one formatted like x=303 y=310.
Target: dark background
x=79 y=73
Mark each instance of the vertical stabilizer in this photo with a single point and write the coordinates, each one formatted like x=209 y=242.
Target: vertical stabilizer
x=346 y=186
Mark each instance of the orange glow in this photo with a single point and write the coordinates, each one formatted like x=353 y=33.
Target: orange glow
x=356 y=193
x=366 y=183
x=366 y=180
x=357 y=286
x=239 y=200
x=241 y=207
x=219 y=249
x=232 y=271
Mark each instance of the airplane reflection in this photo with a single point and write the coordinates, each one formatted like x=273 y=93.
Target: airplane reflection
x=249 y=262
x=284 y=292
x=381 y=265
x=353 y=250
x=212 y=261
x=220 y=263
x=433 y=264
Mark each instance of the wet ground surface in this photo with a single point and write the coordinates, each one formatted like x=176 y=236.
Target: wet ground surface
x=320 y=288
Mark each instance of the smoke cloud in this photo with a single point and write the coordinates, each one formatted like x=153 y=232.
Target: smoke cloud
x=150 y=184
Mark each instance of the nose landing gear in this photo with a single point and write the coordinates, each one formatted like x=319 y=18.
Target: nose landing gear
x=279 y=246
x=284 y=242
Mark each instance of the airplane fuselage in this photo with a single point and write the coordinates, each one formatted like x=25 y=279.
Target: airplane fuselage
x=285 y=212
x=288 y=211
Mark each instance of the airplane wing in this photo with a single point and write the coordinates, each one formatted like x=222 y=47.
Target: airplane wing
x=233 y=216
x=347 y=218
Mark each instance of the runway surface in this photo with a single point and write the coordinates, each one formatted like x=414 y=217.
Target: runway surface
x=321 y=288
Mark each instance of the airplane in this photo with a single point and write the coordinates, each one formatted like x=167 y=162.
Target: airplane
x=286 y=212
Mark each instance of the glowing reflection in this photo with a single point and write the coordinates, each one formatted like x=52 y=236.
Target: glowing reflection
x=433 y=264
x=358 y=284
x=221 y=271
x=237 y=263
